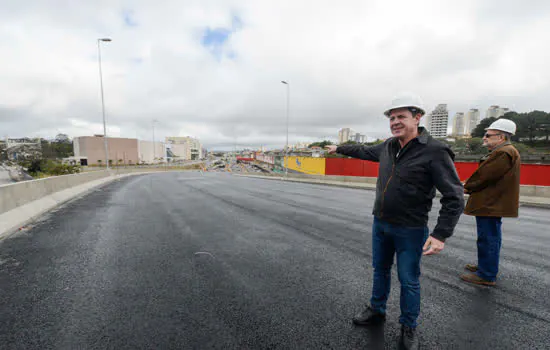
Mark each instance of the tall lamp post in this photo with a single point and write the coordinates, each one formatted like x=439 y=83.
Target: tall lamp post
x=287 y=117
x=103 y=100
x=154 y=146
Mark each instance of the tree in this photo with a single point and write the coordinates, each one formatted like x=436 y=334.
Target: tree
x=321 y=144
x=349 y=142
x=374 y=143
x=62 y=138
x=479 y=130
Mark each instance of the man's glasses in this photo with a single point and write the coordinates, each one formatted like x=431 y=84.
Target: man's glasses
x=487 y=135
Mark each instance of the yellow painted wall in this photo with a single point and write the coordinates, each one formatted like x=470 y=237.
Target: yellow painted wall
x=306 y=165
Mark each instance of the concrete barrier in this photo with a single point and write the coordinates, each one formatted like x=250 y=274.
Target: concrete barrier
x=370 y=182
x=17 y=194
x=20 y=193
x=22 y=203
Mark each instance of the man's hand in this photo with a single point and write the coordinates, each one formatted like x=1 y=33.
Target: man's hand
x=331 y=149
x=433 y=246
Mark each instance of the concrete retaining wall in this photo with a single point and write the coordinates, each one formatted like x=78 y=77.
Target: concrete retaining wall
x=17 y=194
x=525 y=190
x=20 y=193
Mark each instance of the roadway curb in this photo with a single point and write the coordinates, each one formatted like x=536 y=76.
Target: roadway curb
x=16 y=219
x=533 y=203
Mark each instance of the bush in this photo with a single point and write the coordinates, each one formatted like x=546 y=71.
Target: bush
x=40 y=167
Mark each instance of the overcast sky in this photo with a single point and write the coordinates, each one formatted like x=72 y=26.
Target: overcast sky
x=212 y=69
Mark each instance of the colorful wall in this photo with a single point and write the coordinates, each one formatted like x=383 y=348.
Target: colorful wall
x=306 y=165
x=531 y=174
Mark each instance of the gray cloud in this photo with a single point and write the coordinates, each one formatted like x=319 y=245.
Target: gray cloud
x=344 y=63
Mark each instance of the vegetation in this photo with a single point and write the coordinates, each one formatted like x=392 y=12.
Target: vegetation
x=61 y=147
x=46 y=167
x=533 y=128
x=321 y=144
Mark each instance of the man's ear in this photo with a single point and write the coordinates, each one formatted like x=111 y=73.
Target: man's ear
x=418 y=117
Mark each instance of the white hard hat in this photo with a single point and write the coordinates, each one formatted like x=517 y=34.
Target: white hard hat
x=505 y=125
x=406 y=100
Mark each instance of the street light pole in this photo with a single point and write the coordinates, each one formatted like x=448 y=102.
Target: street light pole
x=103 y=101
x=287 y=118
x=154 y=148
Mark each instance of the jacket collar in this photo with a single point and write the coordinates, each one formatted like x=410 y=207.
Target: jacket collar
x=423 y=135
x=501 y=145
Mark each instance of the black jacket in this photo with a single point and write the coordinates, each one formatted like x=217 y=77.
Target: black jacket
x=407 y=180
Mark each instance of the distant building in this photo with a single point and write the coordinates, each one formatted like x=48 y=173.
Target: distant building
x=121 y=150
x=12 y=142
x=458 y=124
x=359 y=138
x=496 y=112
x=471 y=121
x=150 y=153
x=438 y=121
x=184 y=148
x=300 y=145
x=347 y=134
x=23 y=148
x=344 y=135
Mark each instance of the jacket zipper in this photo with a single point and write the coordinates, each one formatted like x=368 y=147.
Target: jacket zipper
x=385 y=189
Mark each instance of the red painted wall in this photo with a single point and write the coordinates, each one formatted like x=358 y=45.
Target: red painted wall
x=531 y=174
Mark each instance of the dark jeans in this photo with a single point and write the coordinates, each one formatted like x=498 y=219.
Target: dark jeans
x=405 y=242
x=489 y=241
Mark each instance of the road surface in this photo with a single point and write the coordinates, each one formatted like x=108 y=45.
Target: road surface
x=191 y=261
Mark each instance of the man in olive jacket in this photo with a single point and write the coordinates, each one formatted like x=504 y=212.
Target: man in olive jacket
x=494 y=194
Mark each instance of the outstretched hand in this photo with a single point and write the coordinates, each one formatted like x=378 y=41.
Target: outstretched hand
x=432 y=246
x=331 y=149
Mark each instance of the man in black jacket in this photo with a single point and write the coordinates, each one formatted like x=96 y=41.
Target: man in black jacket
x=412 y=166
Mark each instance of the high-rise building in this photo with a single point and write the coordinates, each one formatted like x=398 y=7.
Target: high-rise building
x=347 y=134
x=344 y=135
x=471 y=121
x=496 y=112
x=184 y=148
x=426 y=121
x=458 y=124
x=439 y=121
x=359 y=138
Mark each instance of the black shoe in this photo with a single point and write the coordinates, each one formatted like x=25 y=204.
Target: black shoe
x=409 y=338
x=369 y=317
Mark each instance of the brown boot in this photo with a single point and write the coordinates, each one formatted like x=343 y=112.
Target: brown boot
x=475 y=279
x=471 y=267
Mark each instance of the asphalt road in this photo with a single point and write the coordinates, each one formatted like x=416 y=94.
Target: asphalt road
x=184 y=261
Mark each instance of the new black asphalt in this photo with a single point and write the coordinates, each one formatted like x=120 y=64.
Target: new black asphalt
x=214 y=261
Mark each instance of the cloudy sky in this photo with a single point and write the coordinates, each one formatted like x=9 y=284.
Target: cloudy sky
x=212 y=68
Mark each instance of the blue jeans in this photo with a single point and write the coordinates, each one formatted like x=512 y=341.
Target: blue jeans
x=405 y=242
x=489 y=241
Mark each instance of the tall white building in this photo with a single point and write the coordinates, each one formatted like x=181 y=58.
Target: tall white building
x=458 y=124
x=426 y=121
x=496 y=112
x=438 y=121
x=184 y=148
x=359 y=138
x=347 y=134
x=471 y=121
x=344 y=135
